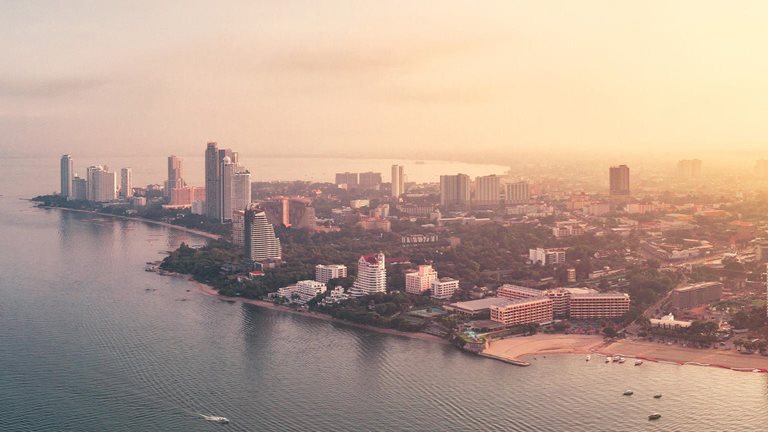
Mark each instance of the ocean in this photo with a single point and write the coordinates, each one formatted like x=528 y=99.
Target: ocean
x=89 y=341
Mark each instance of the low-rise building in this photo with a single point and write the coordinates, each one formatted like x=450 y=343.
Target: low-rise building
x=547 y=256
x=444 y=288
x=477 y=308
x=669 y=322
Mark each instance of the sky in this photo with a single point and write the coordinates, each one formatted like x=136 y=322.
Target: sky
x=491 y=80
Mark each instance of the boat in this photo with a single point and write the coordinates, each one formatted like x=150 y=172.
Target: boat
x=657 y=396
x=607 y=359
x=628 y=392
x=588 y=357
x=638 y=362
x=654 y=416
x=622 y=360
x=216 y=419
x=616 y=358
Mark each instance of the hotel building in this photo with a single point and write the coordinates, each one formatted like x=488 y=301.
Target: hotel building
x=516 y=193
x=487 y=191
x=454 y=191
x=547 y=257
x=259 y=236
x=444 y=288
x=599 y=305
x=696 y=295
x=419 y=281
x=371 y=276
x=324 y=273
x=523 y=311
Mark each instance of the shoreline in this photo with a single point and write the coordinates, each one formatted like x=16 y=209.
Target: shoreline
x=682 y=356
x=138 y=219
x=211 y=292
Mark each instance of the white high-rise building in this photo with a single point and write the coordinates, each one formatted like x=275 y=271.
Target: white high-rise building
x=487 y=191
x=241 y=190
x=67 y=174
x=444 y=288
x=126 y=183
x=419 y=281
x=309 y=289
x=102 y=184
x=324 y=273
x=371 y=276
x=259 y=237
x=398 y=180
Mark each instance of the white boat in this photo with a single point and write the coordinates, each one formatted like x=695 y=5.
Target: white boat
x=638 y=362
x=215 y=419
x=588 y=357
x=628 y=392
x=622 y=360
x=607 y=359
x=616 y=358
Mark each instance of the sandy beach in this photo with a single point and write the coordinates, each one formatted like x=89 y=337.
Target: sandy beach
x=517 y=348
x=149 y=221
x=680 y=355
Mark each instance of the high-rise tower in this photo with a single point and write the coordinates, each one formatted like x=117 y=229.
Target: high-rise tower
x=67 y=174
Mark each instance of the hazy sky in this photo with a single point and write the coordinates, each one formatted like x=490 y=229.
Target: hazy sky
x=383 y=78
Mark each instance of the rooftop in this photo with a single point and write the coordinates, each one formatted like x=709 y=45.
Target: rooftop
x=481 y=304
x=697 y=286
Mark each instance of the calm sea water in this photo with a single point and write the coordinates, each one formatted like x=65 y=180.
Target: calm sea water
x=91 y=342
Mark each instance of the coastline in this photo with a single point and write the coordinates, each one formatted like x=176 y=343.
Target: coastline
x=136 y=219
x=678 y=355
x=211 y=292
x=519 y=350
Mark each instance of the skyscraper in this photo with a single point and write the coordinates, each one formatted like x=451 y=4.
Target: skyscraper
x=454 y=191
x=175 y=175
x=259 y=236
x=487 y=191
x=102 y=184
x=398 y=180
x=212 y=167
x=126 y=183
x=227 y=173
x=619 y=180
x=241 y=189
x=371 y=276
x=67 y=174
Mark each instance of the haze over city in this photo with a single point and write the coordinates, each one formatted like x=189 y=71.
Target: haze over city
x=380 y=79
x=383 y=216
